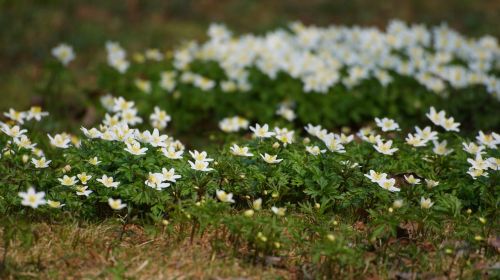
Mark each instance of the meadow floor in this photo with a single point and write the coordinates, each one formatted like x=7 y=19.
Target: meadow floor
x=108 y=250
x=94 y=251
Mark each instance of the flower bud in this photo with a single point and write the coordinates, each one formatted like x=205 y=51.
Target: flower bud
x=248 y=213
x=330 y=237
x=25 y=158
x=138 y=57
x=276 y=145
x=261 y=237
x=257 y=204
x=67 y=168
x=398 y=203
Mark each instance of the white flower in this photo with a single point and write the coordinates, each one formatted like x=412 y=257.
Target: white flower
x=224 y=197
x=431 y=183
x=155 y=181
x=119 y=63
x=169 y=175
x=494 y=163
x=130 y=117
x=388 y=184
x=436 y=117
x=479 y=163
x=233 y=124
x=197 y=156
x=398 y=203
x=489 y=140
x=261 y=131
x=474 y=173
x=64 y=53
x=313 y=130
x=159 y=119
x=472 y=148
x=24 y=142
x=426 y=203
x=59 y=141
x=376 y=177
x=111 y=121
x=426 y=134
x=415 y=140
x=314 y=150
x=345 y=139
x=440 y=148
x=450 y=124
x=67 y=181
x=120 y=104
x=135 y=149
x=14 y=131
x=279 y=211
x=108 y=182
x=83 y=177
x=387 y=124
x=270 y=159
x=41 y=162
x=55 y=204
x=286 y=113
x=371 y=138
x=171 y=153
x=153 y=54
x=167 y=80
x=412 y=180
x=333 y=144
x=93 y=133
x=200 y=165
x=116 y=204
x=83 y=190
x=155 y=139
x=385 y=148
x=218 y=32
x=257 y=204
x=349 y=163
x=203 y=83
x=32 y=198
x=143 y=85
x=285 y=137
x=240 y=151
x=16 y=116
x=94 y=161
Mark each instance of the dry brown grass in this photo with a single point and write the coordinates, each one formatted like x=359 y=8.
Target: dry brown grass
x=95 y=251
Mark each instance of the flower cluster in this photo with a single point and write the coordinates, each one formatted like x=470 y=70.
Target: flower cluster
x=319 y=56
x=233 y=124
